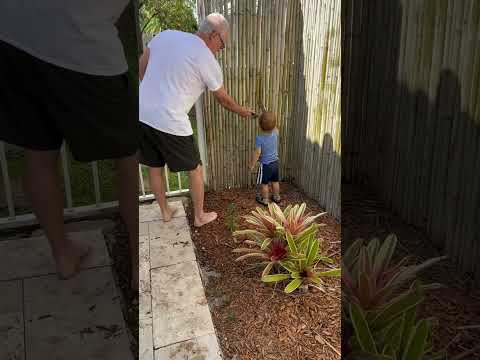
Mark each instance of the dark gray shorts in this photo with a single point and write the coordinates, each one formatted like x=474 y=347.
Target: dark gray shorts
x=41 y=105
x=157 y=148
x=268 y=173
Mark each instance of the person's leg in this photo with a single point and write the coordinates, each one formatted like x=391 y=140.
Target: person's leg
x=276 y=188
x=276 y=191
x=43 y=187
x=158 y=185
x=128 y=203
x=197 y=193
x=264 y=191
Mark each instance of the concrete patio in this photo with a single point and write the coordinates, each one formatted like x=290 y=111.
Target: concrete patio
x=175 y=320
x=43 y=317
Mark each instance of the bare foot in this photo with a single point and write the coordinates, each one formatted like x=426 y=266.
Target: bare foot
x=169 y=214
x=205 y=219
x=69 y=264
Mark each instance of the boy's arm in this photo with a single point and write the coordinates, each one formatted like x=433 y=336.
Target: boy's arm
x=254 y=157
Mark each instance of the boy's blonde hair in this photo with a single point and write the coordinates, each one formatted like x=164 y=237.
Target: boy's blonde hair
x=267 y=121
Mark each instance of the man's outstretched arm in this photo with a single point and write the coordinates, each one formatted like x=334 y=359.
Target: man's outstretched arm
x=228 y=103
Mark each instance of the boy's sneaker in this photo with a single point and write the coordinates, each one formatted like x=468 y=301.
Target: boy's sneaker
x=276 y=199
x=261 y=200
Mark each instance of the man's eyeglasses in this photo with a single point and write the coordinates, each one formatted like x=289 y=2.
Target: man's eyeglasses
x=223 y=43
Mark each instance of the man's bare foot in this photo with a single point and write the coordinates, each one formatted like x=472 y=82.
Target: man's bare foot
x=205 y=219
x=69 y=264
x=169 y=213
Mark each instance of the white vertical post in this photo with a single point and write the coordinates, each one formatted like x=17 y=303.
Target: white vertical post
x=179 y=181
x=140 y=174
x=202 y=144
x=6 y=181
x=166 y=179
x=66 y=178
x=96 y=182
x=199 y=110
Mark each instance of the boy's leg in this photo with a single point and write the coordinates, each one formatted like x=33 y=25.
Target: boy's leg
x=276 y=191
x=41 y=172
x=264 y=191
x=158 y=185
x=276 y=188
x=197 y=193
x=128 y=203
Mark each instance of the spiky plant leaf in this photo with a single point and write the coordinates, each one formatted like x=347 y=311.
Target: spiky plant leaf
x=275 y=278
x=267 y=269
x=293 y=285
x=363 y=333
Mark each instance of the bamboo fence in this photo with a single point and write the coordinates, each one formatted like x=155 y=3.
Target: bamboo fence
x=285 y=55
x=411 y=114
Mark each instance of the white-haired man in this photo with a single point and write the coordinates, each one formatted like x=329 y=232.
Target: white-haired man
x=175 y=69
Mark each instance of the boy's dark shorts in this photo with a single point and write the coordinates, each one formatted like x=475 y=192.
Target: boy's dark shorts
x=268 y=173
x=43 y=104
x=157 y=148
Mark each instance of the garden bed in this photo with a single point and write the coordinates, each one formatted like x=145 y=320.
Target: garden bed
x=456 y=305
x=255 y=320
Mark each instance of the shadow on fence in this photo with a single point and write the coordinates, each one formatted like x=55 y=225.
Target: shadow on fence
x=410 y=88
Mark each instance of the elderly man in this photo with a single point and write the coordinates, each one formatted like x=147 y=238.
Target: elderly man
x=174 y=70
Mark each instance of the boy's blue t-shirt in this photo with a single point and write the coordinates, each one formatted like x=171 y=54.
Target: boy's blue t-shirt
x=268 y=143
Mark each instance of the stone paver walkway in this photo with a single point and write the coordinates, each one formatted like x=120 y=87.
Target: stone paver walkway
x=175 y=320
x=42 y=317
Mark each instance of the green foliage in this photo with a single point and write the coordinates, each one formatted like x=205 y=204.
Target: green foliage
x=393 y=332
x=159 y=15
x=383 y=316
x=231 y=218
x=370 y=277
x=288 y=239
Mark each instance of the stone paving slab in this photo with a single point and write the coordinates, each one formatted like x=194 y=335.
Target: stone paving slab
x=22 y=258
x=152 y=211
x=175 y=320
x=145 y=339
x=11 y=321
x=179 y=306
x=201 y=348
x=76 y=319
x=170 y=243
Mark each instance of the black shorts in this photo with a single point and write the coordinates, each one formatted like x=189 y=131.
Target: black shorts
x=268 y=173
x=42 y=104
x=157 y=148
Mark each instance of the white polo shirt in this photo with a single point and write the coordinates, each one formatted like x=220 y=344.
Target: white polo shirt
x=78 y=35
x=180 y=68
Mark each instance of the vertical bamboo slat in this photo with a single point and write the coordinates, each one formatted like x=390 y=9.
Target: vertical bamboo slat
x=411 y=115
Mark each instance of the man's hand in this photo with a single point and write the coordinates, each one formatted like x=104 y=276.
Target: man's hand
x=246 y=112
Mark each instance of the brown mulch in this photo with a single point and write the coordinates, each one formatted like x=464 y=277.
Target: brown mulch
x=456 y=305
x=257 y=320
x=119 y=249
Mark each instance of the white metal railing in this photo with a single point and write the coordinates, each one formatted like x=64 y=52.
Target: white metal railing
x=148 y=195
x=71 y=211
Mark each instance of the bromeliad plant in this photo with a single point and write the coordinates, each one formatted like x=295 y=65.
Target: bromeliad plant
x=370 y=277
x=392 y=333
x=286 y=241
x=381 y=315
